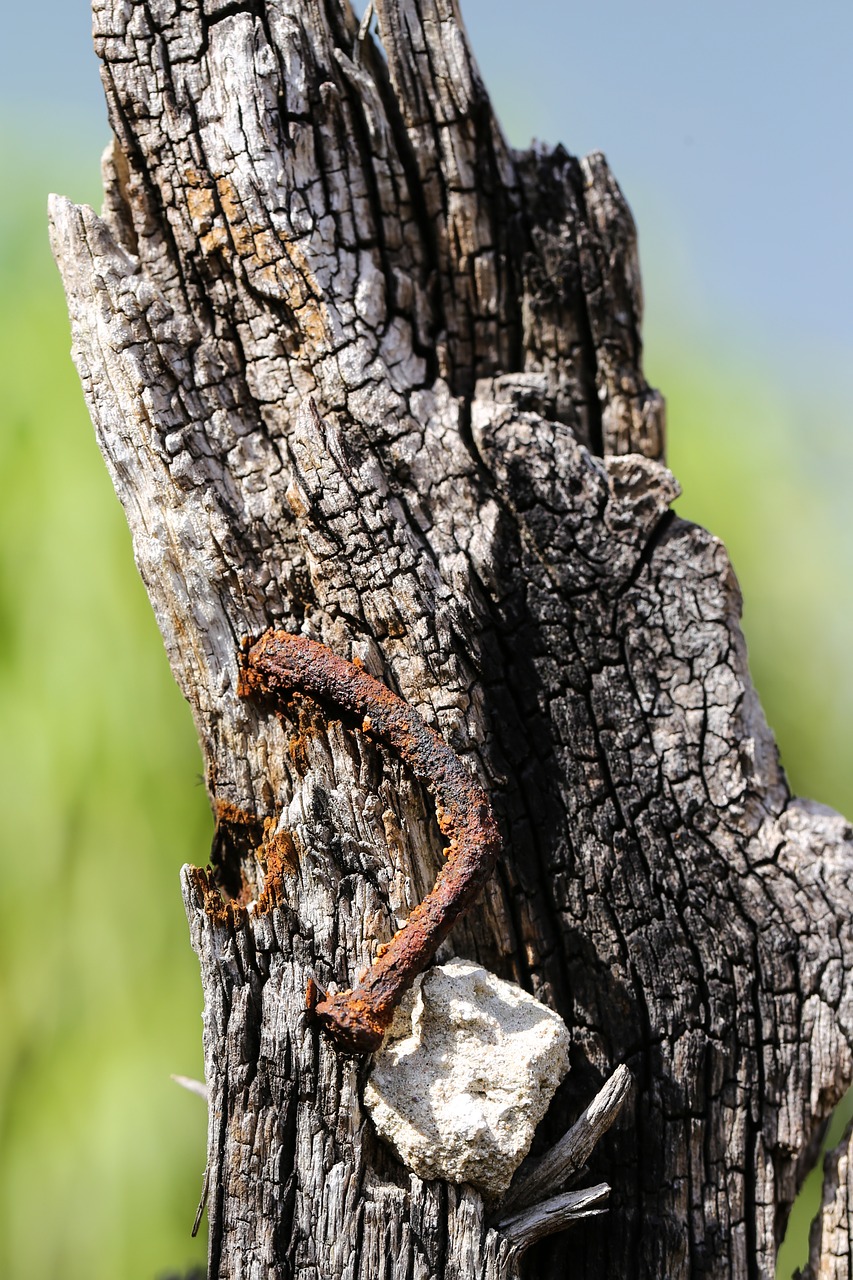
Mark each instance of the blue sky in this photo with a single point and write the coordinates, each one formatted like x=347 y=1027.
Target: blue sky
x=728 y=126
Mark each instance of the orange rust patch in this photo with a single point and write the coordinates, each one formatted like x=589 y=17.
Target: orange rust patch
x=237 y=829
x=217 y=910
x=227 y=811
x=273 y=896
x=298 y=750
x=280 y=855
x=276 y=852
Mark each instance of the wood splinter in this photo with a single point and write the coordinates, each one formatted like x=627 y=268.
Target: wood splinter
x=279 y=665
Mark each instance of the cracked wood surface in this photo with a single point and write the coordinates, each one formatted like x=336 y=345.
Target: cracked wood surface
x=481 y=515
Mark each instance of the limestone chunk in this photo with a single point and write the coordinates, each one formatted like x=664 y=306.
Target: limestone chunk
x=465 y=1074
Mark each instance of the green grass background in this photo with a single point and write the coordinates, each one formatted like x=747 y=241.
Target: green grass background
x=101 y=1156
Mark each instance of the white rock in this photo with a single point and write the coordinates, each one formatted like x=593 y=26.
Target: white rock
x=465 y=1074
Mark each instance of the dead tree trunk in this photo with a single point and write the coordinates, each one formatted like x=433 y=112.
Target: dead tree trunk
x=480 y=514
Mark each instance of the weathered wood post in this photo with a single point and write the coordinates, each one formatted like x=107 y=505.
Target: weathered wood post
x=480 y=514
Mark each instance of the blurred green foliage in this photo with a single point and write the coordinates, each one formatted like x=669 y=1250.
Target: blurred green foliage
x=101 y=1156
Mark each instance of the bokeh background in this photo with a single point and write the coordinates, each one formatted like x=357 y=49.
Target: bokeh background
x=728 y=128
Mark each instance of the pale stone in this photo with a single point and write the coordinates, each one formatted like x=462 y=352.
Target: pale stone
x=465 y=1074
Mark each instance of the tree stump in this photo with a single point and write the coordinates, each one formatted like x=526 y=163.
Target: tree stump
x=297 y=210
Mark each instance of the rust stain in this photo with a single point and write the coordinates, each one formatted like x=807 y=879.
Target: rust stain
x=279 y=857
x=216 y=908
x=280 y=665
x=276 y=851
x=298 y=750
x=226 y=811
x=281 y=854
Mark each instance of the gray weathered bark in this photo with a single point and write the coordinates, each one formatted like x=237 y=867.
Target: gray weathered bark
x=482 y=517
